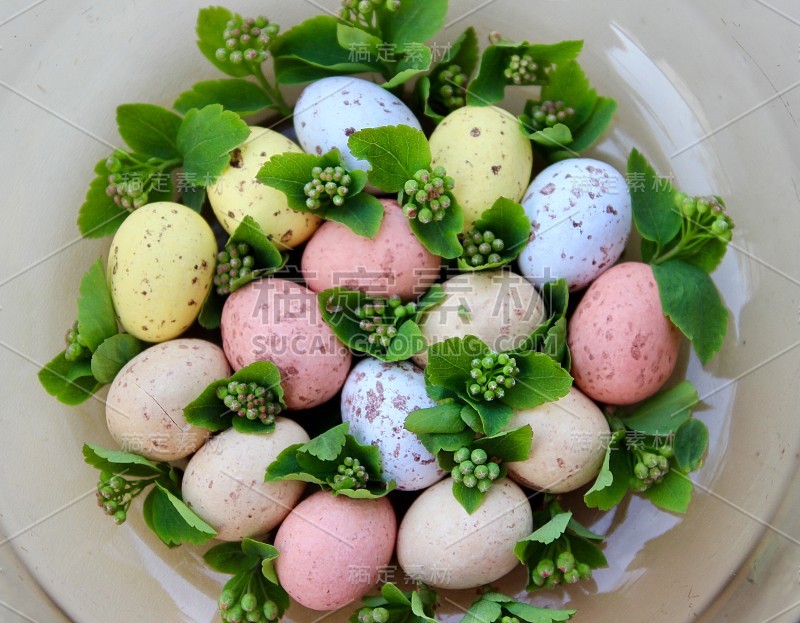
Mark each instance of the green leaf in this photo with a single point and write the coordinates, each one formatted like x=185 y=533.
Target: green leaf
x=464 y=52
x=489 y=85
x=472 y=418
x=568 y=83
x=113 y=354
x=691 y=300
x=483 y=611
x=60 y=379
x=206 y=138
x=587 y=552
x=591 y=131
x=470 y=499
x=149 y=129
x=652 y=200
x=495 y=416
x=409 y=66
x=540 y=380
x=509 y=446
x=194 y=197
x=557 y=136
x=506 y=219
x=328 y=445
x=449 y=442
x=208 y=411
x=361 y=213
x=289 y=173
x=352 y=38
x=211 y=311
x=229 y=558
x=690 y=444
x=286 y=466
x=395 y=154
x=444 y=418
x=394 y=595
x=120 y=462
x=257 y=549
x=99 y=216
x=450 y=361
x=611 y=484
x=532 y=614
x=174 y=522
x=268 y=259
x=663 y=414
x=441 y=237
x=418 y=608
x=549 y=532
x=415 y=21
x=96 y=319
x=240 y=96
x=673 y=493
x=211 y=24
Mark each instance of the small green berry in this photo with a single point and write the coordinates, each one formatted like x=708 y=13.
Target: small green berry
x=470 y=481
x=479 y=456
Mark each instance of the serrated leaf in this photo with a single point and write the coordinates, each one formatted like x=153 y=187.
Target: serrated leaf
x=559 y=136
x=113 y=354
x=174 y=522
x=464 y=52
x=395 y=154
x=257 y=549
x=532 y=614
x=654 y=212
x=540 y=380
x=587 y=552
x=450 y=442
x=551 y=531
x=96 y=318
x=673 y=493
x=469 y=498
x=409 y=66
x=690 y=444
x=361 y=213
x=507 y=220
x=483 y=611
x=418 y=608
x=611 y=484
x=394 y=595
x=66 y=381
x=414 y=21
x=586 y=136
x=240 y=96
x=508 y=446
x=495 y=415
x=149 y=129
x=450 y=361
x=229 y=558
x=120 y=462
x=441 y=237
x=211 y=25
x=99 y=216
x=440 y=419
x=328 y=445
x=663 y=414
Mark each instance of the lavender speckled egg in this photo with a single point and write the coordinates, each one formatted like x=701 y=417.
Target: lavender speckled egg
x=623 y=347
x=376 y=399
x=394 y=262
x=279 y=321
x=580 y=213
x=332 y=548
x=331 y=109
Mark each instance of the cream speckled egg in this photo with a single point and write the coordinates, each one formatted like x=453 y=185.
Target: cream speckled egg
x=443 y=546
x=580 y=213
x=623 y=346
x=237 y=193
x=144 y=409
x=224 y=482
x=160 y=268
x=570 y=437
x=376 y=399
x=484 y=150
x=332 y=548
x=331 y=109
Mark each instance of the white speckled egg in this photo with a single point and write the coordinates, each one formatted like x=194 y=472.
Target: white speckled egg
x=376 y=399
x=580 y=213
x=331 y=109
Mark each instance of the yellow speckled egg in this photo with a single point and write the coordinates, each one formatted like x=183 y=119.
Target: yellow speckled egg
x=160 y=268
x=237 y=193
x=484 y=150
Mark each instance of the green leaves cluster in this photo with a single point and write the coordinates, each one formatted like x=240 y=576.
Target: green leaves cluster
x=340 y=311
x=290 y=173
x=497 y=608
x=208 y=411
x=165 y=513
x=560 y=549
x=507 y=221
x=254 y=587
x=395 y=154
x=550 y=337
x=318 y=462
x=660 y=426
x=105 y=352
x=683 y=249
x=415 y=606
x=159 y=142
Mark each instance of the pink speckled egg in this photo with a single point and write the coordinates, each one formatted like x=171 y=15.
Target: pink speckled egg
x=394 y=262
x=279 y=321
x=623 y=347
x=376 y=399
x=332 y=548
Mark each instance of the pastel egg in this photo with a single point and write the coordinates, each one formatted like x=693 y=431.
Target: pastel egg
x=279 y=321
x=332 y=548
x=580 y=213
x=623 y=346
x=376 y=399
x=394 y=262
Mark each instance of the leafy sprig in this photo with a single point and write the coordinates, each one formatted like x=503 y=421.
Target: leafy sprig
x=652 y=449
x=95 y=349
x=396 y=606
x=550 y=337
x=336 y=462
x=560 y=550
x=124 y=476
x=254 y=592
x=400 y=162
x=494 y=607
x=496 y=239
x=322 y=186
x=249 y=401
x=683 y=238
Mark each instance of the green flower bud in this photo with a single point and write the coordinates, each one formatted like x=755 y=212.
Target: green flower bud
x=488 y=396
x=425 y=215
x=120 y=516
x=466 y=467
x=650 y=460
x=571 y=576
x=479 y=456
x=461 y=455
x=641 y=471
x=565 y=562
x=249 y=602
x=380 y=615
x=226 y=599
x=666 y=451
x=498 y=245
x=689 y=207
x=546 y=568
x=470 y=481
x=481 y=472
x=484 y=485
x=494 y=470
x=584 y=570
x=494 y=258
x=456 y=474
x=270 y=610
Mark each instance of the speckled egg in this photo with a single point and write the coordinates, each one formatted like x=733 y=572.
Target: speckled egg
x=570 y=437
x=160 y=268
x=376 y=399
x=499 y=307
x=331 y=109
x=443 y=546
x=224 y=482
x=580 y=213
x=279 y=321
x=144 y=408
x=237 y=193
x=332 y=548
x=484 y=150
x=623 y=347
x=394 y=262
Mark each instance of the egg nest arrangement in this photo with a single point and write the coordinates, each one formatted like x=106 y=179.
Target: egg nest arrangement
x=296 y=324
